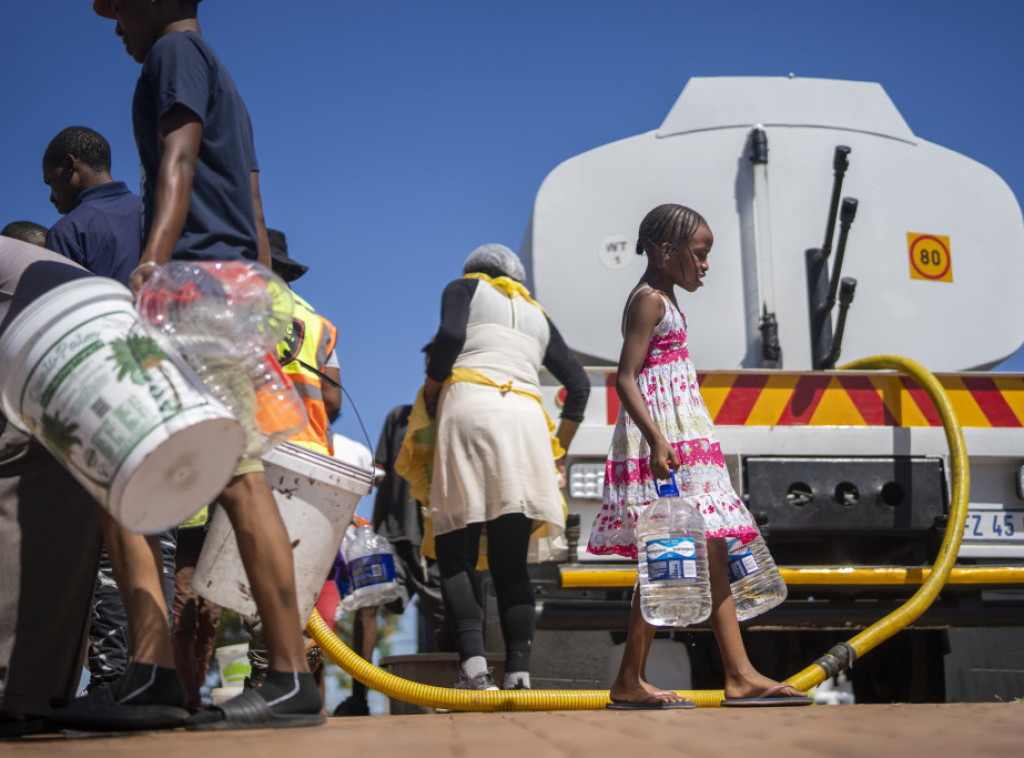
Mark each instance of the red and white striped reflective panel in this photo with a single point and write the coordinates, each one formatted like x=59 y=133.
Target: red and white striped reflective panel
x=779 y=398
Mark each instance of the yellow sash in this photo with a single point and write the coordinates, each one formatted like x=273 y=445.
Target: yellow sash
x=509 y=286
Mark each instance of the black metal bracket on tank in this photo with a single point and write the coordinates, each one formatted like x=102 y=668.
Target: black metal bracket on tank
x=771 y=350
x=822 y=289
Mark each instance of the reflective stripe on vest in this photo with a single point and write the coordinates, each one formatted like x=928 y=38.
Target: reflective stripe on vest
x=310 y=339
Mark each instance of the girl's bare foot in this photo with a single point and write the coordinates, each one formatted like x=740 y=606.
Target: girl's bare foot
x=643 y=692
x=755 y=685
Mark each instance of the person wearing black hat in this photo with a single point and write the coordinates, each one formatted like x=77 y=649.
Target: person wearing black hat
x=283 y=265
x=308 y=358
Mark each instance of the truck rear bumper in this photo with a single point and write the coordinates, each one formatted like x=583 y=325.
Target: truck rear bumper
x=852 y=598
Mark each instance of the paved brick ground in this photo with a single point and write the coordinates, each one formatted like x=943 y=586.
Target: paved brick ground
x=874 y=731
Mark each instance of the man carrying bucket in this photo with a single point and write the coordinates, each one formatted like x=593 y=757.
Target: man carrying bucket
x=187 y=112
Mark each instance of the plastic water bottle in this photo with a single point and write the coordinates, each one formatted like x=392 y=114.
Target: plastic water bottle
x=371 y=564
x=754 y=579
x=673 y=552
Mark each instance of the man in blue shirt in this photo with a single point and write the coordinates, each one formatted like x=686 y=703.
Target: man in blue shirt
x=102 y=231
x=201 y=200
x=102 y=225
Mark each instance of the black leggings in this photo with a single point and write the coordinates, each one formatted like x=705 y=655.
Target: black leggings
x=508 y=539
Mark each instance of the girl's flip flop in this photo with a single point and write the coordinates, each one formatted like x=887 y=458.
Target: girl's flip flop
x=768 y=698
x=651 y=703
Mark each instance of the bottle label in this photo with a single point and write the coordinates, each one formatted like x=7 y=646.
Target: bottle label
x=372 y=569
x=741 y=564
x=671 y=558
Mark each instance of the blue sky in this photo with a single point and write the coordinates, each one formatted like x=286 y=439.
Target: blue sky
x=396 y=136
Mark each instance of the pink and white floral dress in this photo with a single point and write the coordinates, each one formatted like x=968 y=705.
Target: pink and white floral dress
x=668 y=382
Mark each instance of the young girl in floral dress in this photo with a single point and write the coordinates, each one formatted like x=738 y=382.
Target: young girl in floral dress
x=664 y=426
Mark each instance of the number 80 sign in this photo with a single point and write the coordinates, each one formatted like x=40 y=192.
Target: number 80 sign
x=930 y=258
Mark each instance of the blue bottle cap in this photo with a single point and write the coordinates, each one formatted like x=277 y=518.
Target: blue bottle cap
x=668 y=489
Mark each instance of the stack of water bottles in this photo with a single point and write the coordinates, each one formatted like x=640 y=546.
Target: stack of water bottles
x=365 y=570
x=673 y=566
x=226 y=318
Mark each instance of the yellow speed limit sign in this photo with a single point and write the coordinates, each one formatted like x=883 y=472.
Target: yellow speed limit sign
x=930 y=258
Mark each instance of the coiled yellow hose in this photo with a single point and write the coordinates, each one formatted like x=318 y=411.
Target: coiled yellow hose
x=566 y=700
x=918 y=602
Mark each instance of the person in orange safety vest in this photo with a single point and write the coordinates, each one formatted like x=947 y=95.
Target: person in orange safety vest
x=307 y=356
x=308 y=359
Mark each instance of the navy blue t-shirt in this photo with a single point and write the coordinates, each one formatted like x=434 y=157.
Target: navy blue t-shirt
x=103 y=232
x=182 y=69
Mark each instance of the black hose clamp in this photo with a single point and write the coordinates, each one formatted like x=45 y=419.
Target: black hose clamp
x=839 y=658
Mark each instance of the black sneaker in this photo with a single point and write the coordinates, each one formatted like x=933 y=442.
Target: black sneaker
x=480 y=682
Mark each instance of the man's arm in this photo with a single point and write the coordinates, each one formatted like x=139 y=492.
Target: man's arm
x=332 y=394
x=180 y=134
x=263 y=253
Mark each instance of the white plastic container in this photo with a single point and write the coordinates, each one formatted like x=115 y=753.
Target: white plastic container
x=755 y=581
x=233 y=663
x=316 y=495
x=126 y=416
x=673 y=561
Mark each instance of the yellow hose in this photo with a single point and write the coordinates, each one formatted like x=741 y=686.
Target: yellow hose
x=467 y=700
x=575 y=700
x=920 y=600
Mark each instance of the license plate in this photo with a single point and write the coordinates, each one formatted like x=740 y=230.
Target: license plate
x=994 y=525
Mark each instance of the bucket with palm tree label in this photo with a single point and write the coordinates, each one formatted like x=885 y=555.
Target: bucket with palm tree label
x=122 y=413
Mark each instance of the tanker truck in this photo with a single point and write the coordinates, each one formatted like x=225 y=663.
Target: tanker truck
x=847 y=473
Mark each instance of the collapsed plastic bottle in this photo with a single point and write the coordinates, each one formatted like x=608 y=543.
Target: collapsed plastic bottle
x=754 y=579
x=226 y=318
x=371 y=563
x=257 y=393
x=673 y=558
x=217 y=307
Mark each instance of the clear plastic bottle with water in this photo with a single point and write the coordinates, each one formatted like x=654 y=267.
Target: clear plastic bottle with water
x=673 y=553
x=371 y=563
x=754 y=579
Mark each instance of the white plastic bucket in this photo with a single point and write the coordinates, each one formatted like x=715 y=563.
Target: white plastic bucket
x=126 y=417
x=316 y=495
x=233 y=663
x=234 y=666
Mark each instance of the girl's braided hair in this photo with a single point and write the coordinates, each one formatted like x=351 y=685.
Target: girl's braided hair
x=671 y=223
